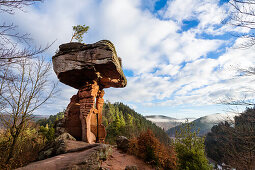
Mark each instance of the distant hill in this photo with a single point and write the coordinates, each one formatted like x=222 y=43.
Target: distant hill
x=34 y=118
x=205 y=123
x=159 y=118
x=166 y=122
x=38 y=117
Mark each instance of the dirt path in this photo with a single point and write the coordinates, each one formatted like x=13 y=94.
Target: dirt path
x=119 y=160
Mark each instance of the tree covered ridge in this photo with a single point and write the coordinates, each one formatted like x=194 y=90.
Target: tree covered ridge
x=120 y=120
x=234 y=144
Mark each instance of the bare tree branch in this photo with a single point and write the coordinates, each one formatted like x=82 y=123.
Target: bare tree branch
x=243 y=15
x=26 y=94
x=9 y=6
x=24 y=77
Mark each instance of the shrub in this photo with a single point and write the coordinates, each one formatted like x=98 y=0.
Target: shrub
x=47 y=133
x=190 y=149
x=26 y=150
x=148 y=147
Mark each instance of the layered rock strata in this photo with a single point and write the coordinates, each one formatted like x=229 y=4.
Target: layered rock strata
x=88 y=68
x=76 y=63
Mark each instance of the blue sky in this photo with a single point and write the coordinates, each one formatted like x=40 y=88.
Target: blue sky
x=179 y=59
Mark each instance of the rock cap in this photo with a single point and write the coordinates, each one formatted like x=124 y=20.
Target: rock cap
x=76 y=64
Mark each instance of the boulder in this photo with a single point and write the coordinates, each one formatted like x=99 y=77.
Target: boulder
x=65 y=136
x=58 y=146
x=122 y=143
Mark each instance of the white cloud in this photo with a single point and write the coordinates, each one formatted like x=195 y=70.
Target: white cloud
x=180 y=10
x=209 y=14
x=170 y=67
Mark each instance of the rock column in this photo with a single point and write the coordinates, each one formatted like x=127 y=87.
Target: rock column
x=101 y=133
x=87 y=95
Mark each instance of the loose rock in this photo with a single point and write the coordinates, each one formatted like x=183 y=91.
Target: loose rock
x=122 y=143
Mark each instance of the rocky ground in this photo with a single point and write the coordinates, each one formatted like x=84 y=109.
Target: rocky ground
x=119 y=160
x=67 y=153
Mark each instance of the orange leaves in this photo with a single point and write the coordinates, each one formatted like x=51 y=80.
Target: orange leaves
x=149 y=148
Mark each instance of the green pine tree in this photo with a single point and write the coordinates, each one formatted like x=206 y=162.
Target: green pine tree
x=190 y=149
x=79 y=31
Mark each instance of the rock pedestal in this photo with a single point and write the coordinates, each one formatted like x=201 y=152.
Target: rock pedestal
x=88 y=68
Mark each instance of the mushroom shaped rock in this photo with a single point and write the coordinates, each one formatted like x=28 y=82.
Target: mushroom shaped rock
x=89 y=68
x=77 y=63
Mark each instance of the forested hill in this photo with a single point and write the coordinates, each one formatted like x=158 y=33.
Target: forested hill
x=120 y=119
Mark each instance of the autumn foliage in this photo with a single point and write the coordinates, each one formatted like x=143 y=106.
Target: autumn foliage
x=148 y=147
x=26 y=150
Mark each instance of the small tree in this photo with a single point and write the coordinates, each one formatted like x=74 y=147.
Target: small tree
x=24 y=84
x=27 y=89
x=79 y=31
x=11 y=42
x=190 y=149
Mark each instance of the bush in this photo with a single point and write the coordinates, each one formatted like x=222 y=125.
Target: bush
x=26 y=150
x=47 y=133
x=148 y=147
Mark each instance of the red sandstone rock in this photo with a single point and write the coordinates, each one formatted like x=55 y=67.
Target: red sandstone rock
x=89 y=68
x=76 y=63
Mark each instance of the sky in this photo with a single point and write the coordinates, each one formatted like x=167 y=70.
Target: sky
x=179 y=59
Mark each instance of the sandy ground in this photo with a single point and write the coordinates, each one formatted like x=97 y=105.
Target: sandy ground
x=119 y=160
